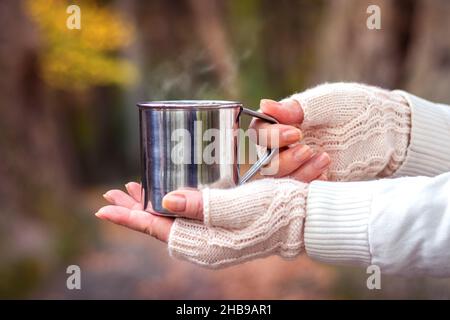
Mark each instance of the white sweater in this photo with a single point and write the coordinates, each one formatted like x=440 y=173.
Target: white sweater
x=401 y=225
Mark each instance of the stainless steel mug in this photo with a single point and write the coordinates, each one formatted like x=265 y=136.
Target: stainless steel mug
x=191 y=143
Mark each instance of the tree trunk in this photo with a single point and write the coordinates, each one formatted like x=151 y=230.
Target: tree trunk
x=33 y=181
x=349 y=51
x=428 y=64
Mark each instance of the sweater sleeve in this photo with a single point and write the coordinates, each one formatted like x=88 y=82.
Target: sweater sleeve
x=401 y=225
x=429 y=147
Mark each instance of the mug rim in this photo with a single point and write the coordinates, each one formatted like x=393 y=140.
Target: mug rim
x=189 y=104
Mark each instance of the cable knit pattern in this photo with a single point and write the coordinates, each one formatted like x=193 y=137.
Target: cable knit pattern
x=254 y=220
x=364 y=129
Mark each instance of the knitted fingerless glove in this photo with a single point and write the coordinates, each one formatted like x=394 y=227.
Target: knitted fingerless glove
x=364 y=129
x=257 y=219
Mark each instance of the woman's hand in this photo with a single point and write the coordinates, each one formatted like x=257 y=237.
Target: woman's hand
x=365 y=130
x=295 y=160
x=126 y=210
x=224 y=226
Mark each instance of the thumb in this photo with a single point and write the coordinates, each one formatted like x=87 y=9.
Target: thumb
x=229 y=208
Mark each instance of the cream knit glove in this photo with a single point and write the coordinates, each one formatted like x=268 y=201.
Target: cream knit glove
x=256 y=219
x=364 y=129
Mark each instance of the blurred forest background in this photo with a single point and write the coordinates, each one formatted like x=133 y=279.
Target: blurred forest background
x=68 y=126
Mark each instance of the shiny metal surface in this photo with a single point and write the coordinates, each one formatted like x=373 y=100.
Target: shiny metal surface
x=189 y=144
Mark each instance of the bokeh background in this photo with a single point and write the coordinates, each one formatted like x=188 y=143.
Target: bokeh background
x=68 y=127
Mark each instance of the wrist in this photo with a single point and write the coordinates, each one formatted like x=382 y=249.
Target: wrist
x=428 y=152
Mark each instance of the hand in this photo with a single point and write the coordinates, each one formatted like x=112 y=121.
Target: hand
x=295 y=160
x=224 y=226
x=365 y=130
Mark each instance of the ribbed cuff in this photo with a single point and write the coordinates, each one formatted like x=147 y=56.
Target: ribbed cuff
x=336 y=225
x=429 y=149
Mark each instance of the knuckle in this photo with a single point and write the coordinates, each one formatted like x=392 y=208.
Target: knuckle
x=148 y=229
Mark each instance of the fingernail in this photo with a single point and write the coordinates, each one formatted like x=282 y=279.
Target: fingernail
x=303 y=154
x=292 y=135
x=99 y=213
x=266 y=101
x=321 y=161
x=290 y=103
x=107 y=196
x=174 y=202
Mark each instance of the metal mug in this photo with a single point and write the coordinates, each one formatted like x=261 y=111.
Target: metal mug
x=171 y=131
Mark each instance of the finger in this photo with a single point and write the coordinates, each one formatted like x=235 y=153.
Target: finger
x=274 y=135
x=288 y=160
x=120 y=198
x=134 y=190
x=313 y=168
x=186 y=203
x=288 y=111
x=155 y=226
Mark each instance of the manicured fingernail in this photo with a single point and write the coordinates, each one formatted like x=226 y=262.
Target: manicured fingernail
x=269 y=101
x=107 y=196
x=291 y=135
x=290 y=103
x=99 y=213
x=174 y=202
x=303 y=154
x=322 y=161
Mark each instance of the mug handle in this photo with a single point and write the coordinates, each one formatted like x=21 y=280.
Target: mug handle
x=269 y=153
